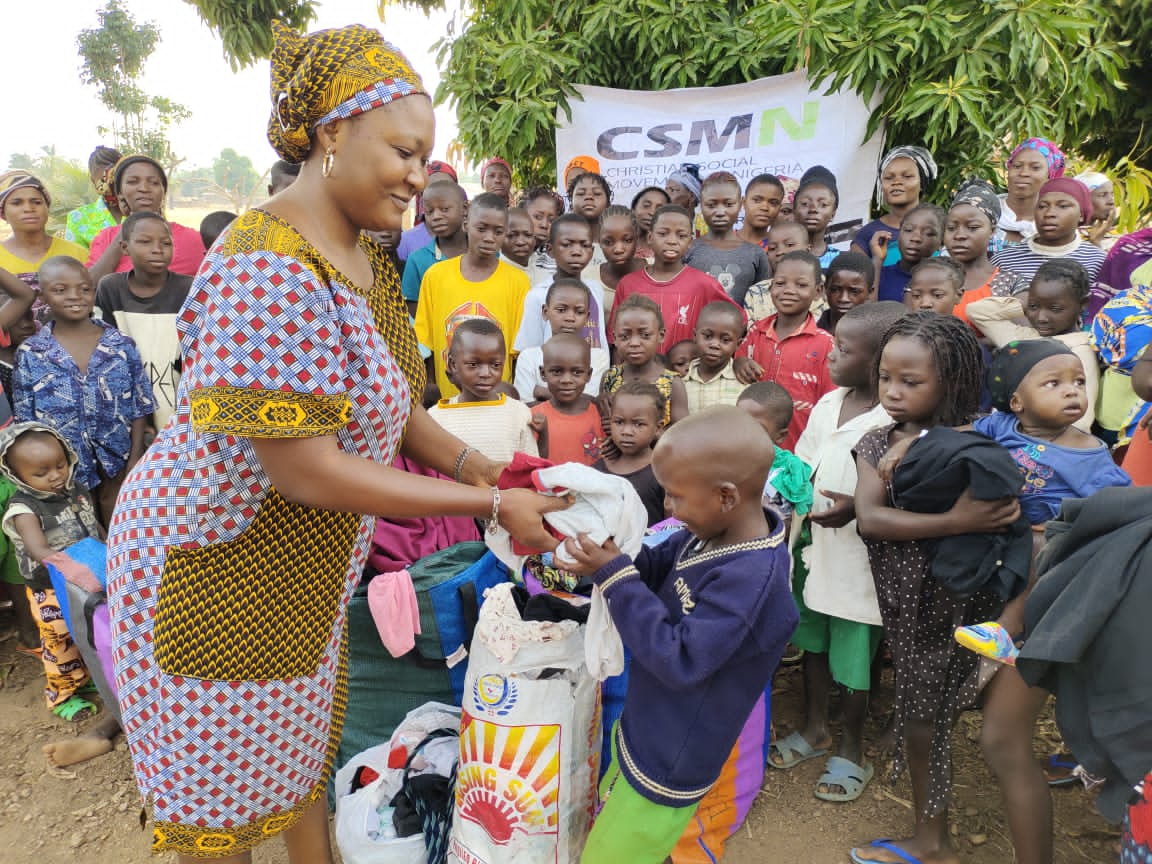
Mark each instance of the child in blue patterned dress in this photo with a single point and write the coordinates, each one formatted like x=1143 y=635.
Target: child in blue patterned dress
x=85 y=379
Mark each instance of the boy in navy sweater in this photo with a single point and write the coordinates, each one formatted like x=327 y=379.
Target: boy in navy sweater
x=706 y=615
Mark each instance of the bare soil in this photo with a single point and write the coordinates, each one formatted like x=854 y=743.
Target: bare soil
x=91 y=812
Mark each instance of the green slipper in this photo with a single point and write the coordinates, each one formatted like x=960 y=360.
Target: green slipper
x=75 y=709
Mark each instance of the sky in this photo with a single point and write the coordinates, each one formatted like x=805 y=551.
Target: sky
x=47 y=105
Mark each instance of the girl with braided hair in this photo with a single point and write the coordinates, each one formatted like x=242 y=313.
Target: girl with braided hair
x=84 y=223
x=929 y=374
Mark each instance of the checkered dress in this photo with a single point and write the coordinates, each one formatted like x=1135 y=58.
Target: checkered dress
x=228 y=602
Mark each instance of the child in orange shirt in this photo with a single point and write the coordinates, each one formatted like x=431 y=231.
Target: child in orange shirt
x=572 y=427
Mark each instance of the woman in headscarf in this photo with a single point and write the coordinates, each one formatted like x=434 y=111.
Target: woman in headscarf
x=24 y=203
x=968 y=229
x=84 y=223
x=141 y=185
x=240 y=536
x=496 y=177
x=1030 y=166
x=684 y=186
x=1104 y=212
x=905 y=174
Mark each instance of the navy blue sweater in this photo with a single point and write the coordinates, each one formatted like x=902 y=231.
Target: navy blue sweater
x=706 y=632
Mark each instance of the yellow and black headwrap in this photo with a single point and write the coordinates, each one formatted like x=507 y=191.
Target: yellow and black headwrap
x=329 y=75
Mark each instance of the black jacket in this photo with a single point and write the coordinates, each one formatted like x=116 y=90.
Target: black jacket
x=936 y=471
x=1087 y=624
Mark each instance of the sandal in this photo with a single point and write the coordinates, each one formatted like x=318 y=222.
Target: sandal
x=887 y=846
x=846 y=774
x=1060 y=769
x=74 y=709
x=791 y=751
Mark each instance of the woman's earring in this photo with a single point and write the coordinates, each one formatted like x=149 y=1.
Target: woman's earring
x=326 y=165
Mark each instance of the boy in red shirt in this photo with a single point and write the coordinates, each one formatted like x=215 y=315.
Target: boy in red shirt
x=572 y=427
x=788 y=347
x=680 y=291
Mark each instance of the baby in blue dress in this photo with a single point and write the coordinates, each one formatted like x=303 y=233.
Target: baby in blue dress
x=1038 y=390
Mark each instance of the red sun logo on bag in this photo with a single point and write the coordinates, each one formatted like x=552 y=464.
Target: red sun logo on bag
x=508 y=781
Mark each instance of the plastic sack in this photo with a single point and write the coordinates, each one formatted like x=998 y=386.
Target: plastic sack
x=529 y=742
x=357 y=813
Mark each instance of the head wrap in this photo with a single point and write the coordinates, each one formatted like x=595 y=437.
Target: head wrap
x=1073 y=187
x=925 y=165
x=123 y=165
x=10 y=181
x=488 y=163
x=330 y=75
x=1012 y=363
x=1093 y=179
x=588 y=163
x=435 y=166
x=1052 y=154
x=982 y=195
x=818 y=175
x=688 y=176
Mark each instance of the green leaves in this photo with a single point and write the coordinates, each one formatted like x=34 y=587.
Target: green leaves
x=963 y=77
x=112 y=58
x=245 y=26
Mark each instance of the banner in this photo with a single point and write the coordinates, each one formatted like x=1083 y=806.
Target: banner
x=779 y=125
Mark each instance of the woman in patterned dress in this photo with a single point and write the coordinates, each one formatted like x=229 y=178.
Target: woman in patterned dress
x=238 y=539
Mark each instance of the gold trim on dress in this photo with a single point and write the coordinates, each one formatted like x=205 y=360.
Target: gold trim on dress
x=249 y=411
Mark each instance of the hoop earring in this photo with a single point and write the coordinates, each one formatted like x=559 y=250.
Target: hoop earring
x=326 y=165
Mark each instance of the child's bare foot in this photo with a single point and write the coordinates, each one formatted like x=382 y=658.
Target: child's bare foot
x=72 y=751
x=96 y=741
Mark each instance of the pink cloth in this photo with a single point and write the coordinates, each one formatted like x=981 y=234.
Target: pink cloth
x=392 y=602
x=398 y=543
x=187 y=249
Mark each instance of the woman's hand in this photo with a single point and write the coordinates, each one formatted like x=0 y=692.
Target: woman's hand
x=1099 y=228
x=588 y=556
x=747 y=370
x=522 y=515
x=842 y=511
x=980 y=517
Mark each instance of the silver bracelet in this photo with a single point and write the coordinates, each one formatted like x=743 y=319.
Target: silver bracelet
x=494 y=519
x=458 y=470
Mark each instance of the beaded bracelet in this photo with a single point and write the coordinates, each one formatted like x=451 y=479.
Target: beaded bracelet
x=458 y=470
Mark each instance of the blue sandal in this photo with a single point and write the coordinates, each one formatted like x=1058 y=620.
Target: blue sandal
x=888 y=846
x=791 y=751
x=846 y=774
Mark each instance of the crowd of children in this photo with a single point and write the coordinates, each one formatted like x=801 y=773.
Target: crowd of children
x=792 y=403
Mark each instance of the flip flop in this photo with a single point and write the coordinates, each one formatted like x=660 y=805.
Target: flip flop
x=74 y=709
x=888 y=846
x=1061 y=762
x=846 y=774
x=792 y=751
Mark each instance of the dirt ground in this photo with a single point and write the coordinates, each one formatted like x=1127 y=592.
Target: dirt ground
x=91 y=813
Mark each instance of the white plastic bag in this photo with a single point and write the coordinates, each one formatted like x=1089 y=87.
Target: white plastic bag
x=356 y=816
x=529 y=747
x=357 y=813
